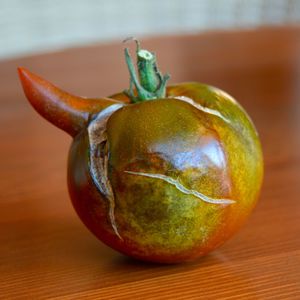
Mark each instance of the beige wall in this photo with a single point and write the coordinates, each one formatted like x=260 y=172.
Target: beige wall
x=28 y=26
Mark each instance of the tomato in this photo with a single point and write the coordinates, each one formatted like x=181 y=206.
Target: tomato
x=161 y=174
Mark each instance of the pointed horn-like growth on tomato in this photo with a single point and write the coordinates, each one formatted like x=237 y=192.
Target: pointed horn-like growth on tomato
x=67 y=112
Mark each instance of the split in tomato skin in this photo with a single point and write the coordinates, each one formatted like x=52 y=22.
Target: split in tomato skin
x=214 y=152
x=161 y=174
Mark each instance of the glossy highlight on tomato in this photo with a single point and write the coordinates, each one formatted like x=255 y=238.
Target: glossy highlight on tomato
x=159 y=173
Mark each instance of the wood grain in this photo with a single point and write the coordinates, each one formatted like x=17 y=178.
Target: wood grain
x=45 y=251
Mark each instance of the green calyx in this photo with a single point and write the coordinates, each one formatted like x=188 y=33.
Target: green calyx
x=149 y=83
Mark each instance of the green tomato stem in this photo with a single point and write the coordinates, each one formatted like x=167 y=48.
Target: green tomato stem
x=149 y=83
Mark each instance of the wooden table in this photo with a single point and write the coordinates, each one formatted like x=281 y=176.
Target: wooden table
x=45 y=251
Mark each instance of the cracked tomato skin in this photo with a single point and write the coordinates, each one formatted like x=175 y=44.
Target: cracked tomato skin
x=185 y=172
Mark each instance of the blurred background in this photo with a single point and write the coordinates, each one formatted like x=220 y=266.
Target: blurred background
x=33 y=26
